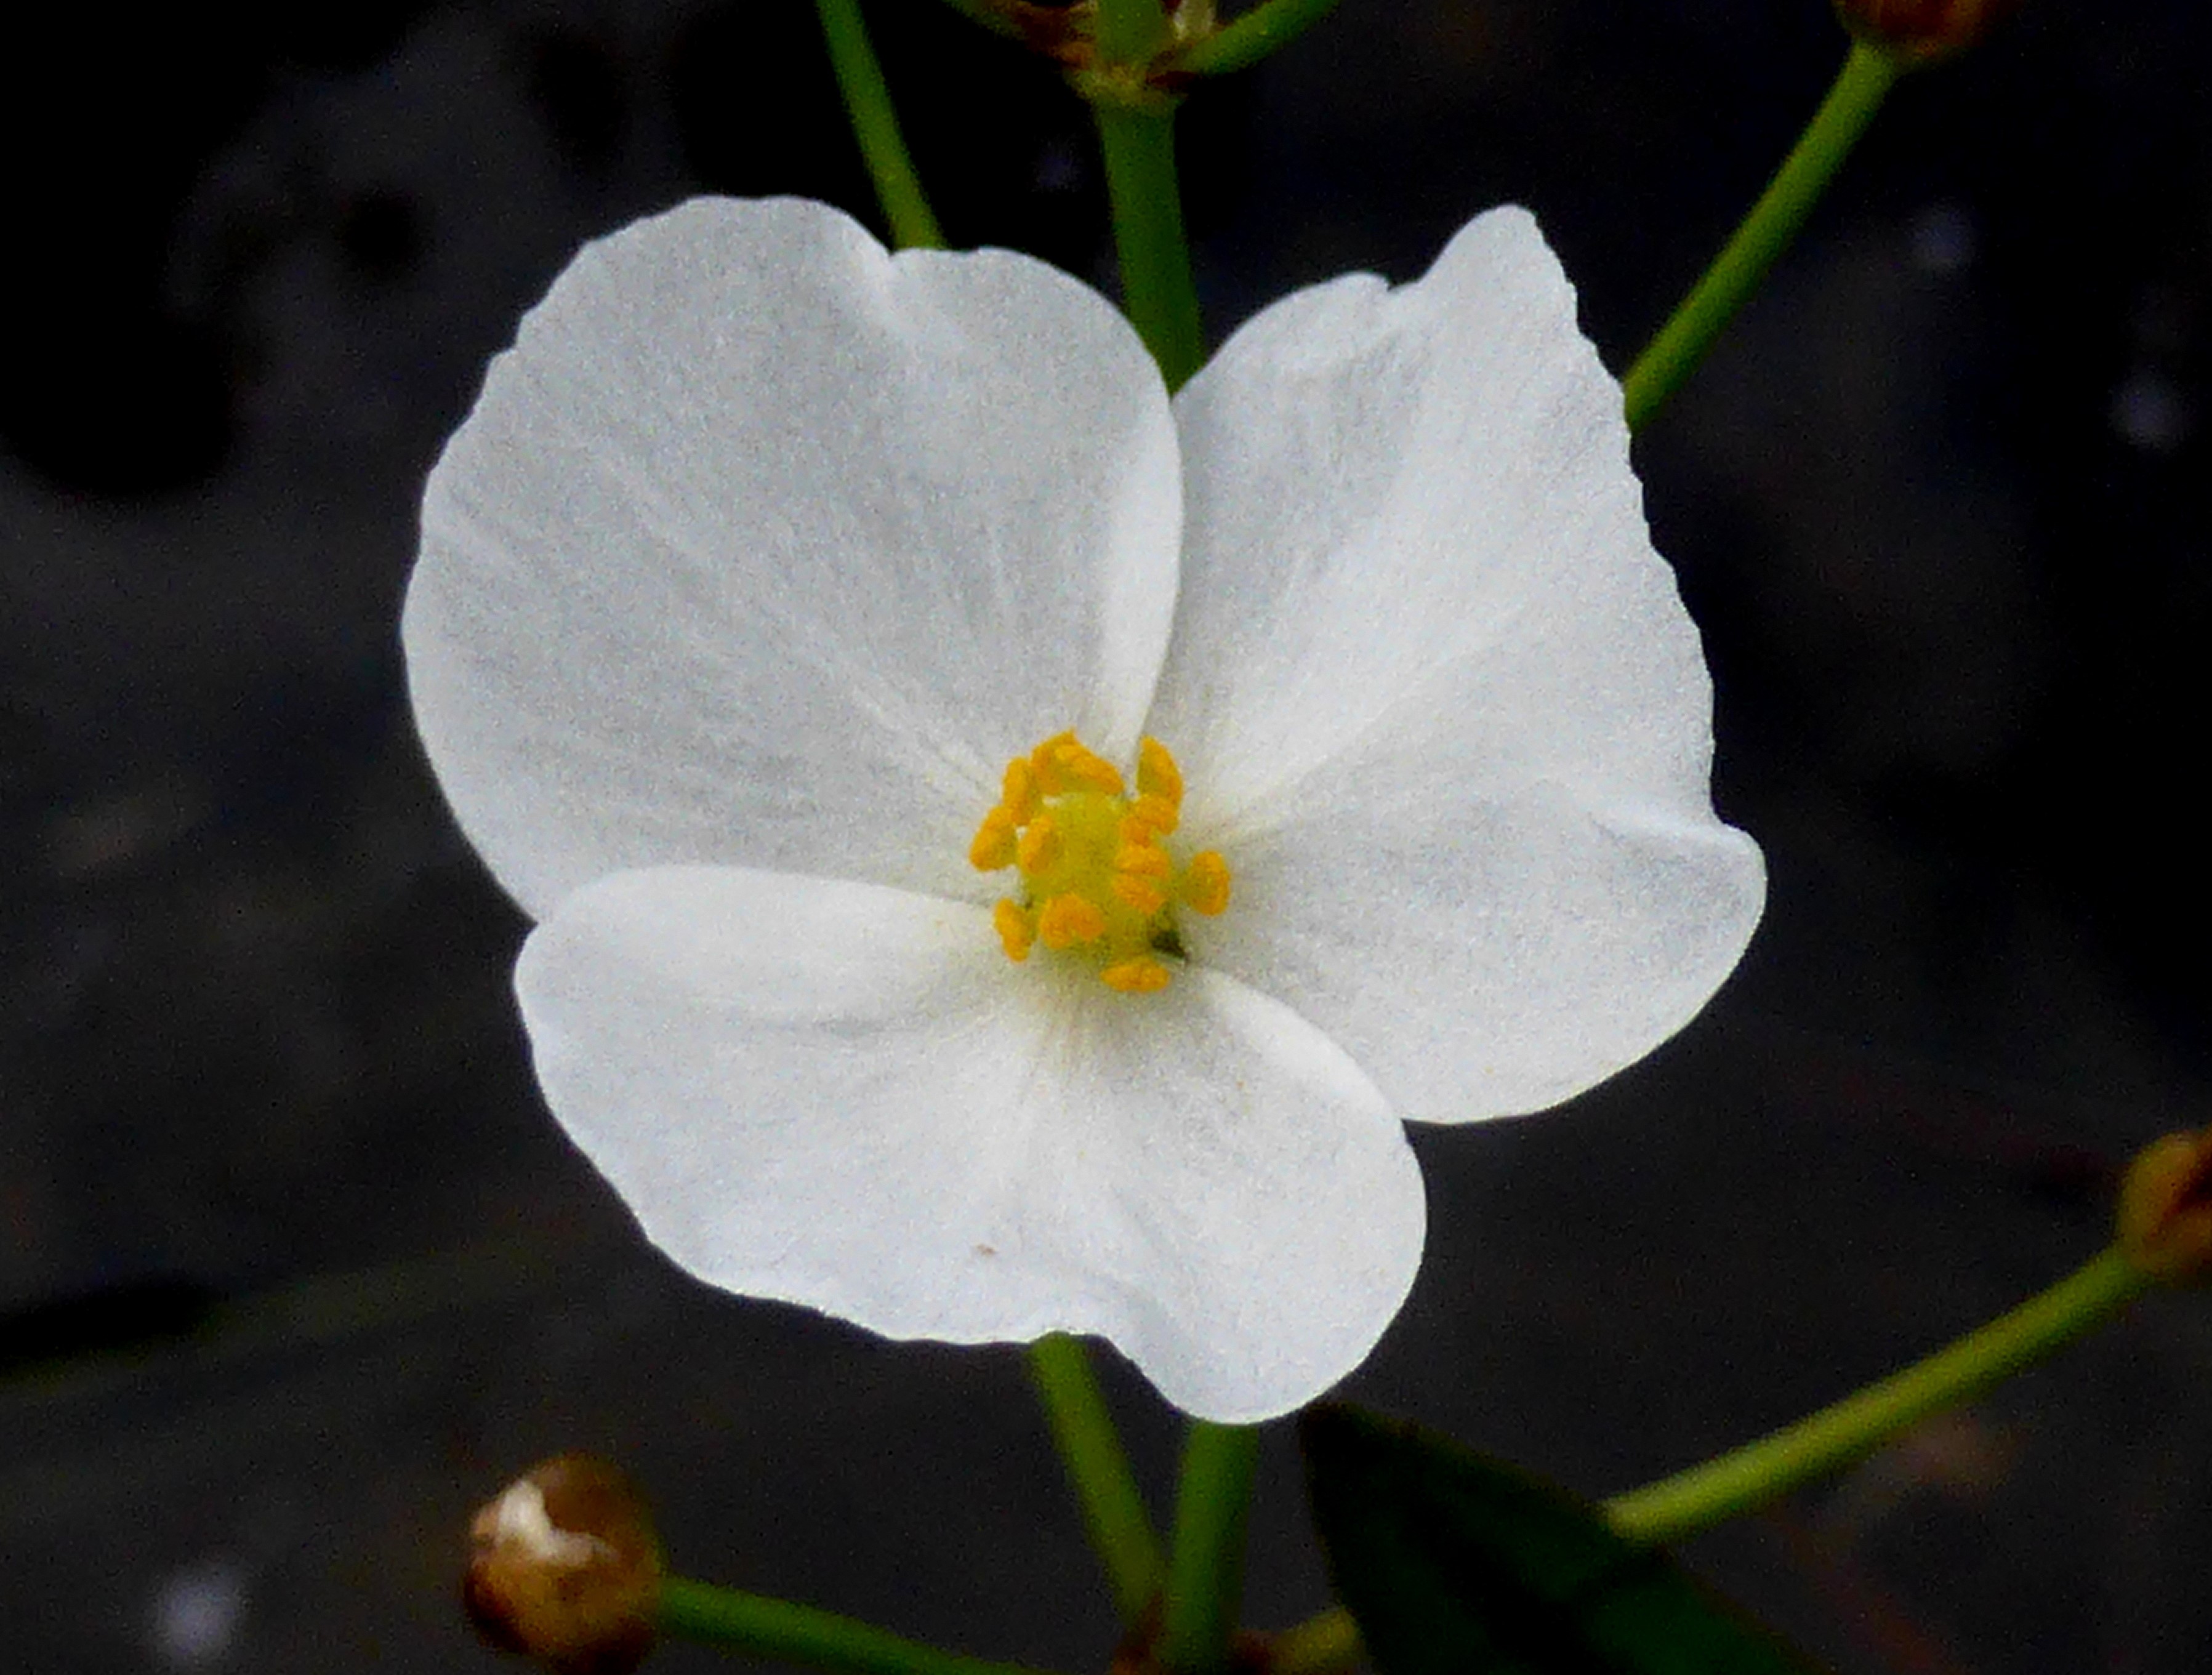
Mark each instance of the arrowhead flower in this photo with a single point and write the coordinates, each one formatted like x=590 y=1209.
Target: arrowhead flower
x=1010 y=849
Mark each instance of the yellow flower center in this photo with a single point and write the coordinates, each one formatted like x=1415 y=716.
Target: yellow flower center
x=1099 y=881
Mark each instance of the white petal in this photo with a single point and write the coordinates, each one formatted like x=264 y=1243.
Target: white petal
x=764 y=546
x=845 y=1095
x=1436 y=697
x=1497 y=961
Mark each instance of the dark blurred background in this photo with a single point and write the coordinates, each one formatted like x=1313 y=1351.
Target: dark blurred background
x=295 y=1266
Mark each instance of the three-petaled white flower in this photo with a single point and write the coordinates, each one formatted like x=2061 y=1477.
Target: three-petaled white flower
x=789 y=618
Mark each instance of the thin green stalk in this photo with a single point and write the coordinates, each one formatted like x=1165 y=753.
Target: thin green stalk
x=1113 y=1508
x=1746 y=1478
x=1251 y=36
x=1854 y=1427
x=1136 y=132
x=1766 y=232
x=785 y=1633
x=1205 y=1568
x=875 y=125
x=1157 y=292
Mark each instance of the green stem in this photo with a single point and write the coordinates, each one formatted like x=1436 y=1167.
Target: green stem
x=875 y=125
x=1764 y=233
x=1251 y=37
x=1136 y=132
x=778 y=1630
x=1854 y=1427
x=1113 y=1509
x=1157 y=290
x=1746 y=1478
x=1205 y=1569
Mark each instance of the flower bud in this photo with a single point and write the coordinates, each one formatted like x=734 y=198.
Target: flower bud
x=565 y=1567
x=1918 y=30
x=2166 y=1209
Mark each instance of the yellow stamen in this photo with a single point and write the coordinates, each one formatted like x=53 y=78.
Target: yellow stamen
x=1098 y=880
x=1015 y=930
x=1204 y=886
x=994 y=847
x=1158 y=774
x=1020 y=797
x=1142 y=975
x=1040 y=846
x=1085 y=768
x=1067 y=920
x=1146 y=859
x=1049 y=778
x=1142 y=894
x=1153 y=810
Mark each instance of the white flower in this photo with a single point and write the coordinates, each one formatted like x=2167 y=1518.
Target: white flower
x=765 y=551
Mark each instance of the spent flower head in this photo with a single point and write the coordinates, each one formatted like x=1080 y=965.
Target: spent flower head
x=1919 y=31
x=1009 y=849
x=2165 y=1220
x=564 y=1566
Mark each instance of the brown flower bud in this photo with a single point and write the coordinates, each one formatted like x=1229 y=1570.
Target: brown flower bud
x=2166 y=1209
x=565 y=1567
x=1918 y=30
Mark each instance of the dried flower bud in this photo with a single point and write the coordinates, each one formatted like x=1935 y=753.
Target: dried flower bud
x=2166 y=1209
x=565 y=1567
x=1918 y=30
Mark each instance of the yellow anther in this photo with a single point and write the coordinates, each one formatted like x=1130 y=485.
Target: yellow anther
x=1142 y=894
x=1086 y=769
x=1020 y=796
x=994 y=847
x=1039 y=846
x=1051 y=779
x=1158 y=774
x=1204 y=886
x=1015 y=930
x=1153 y=811
x=1142 y=975
x=1067 y=920
x=1146 y=860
